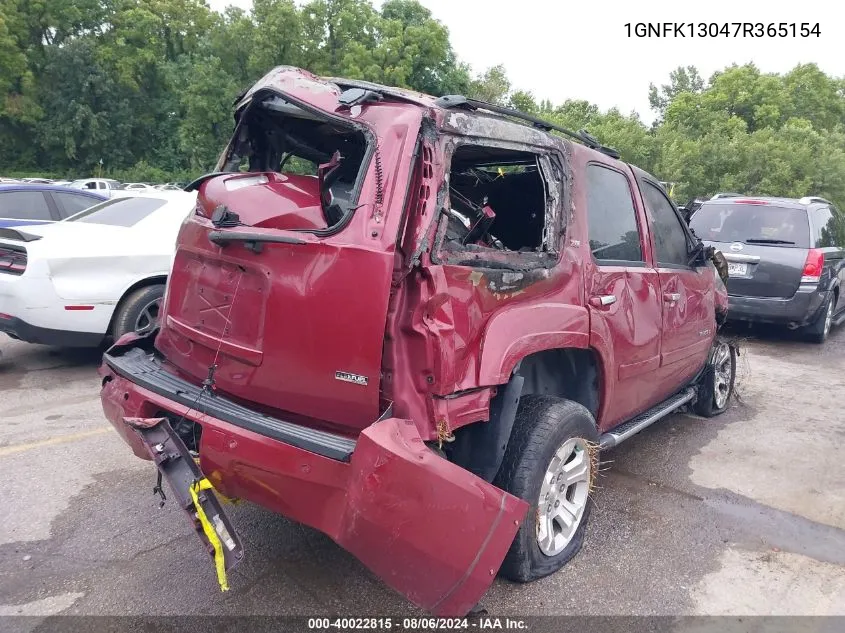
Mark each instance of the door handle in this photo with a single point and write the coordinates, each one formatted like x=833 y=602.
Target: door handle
x=602 y=300
x=671 y=297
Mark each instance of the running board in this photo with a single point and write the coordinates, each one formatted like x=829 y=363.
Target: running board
x=616 y=436
x=838 y=320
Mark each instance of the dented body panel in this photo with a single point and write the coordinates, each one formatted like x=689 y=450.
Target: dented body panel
x=377 y=316
x=377 y=506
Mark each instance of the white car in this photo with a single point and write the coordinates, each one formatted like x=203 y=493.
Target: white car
x=137 y=186
x=105 y=186
x=97 y=275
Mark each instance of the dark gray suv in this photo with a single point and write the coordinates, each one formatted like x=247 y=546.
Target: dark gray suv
x=786 y=259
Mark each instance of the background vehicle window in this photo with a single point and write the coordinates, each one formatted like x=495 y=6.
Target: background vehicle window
x=24 y=205
x=613 y=230
x=826 y=229
x=752 y=223
x=120 y=212
x=70 y=204
x=670 y=240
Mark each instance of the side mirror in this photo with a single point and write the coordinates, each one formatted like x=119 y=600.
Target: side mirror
x=698 y=255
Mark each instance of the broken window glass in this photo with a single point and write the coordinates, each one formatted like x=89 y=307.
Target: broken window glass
x=497 y=201
x=276 y=136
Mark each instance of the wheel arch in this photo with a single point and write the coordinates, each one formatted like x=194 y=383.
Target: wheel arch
x=570 y=373
x=518 y=332
x=152 y=280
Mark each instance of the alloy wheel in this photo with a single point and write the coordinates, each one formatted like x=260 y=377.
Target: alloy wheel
x=563 y=496
x=828 y=318
x=722 y=374
x=148 y=317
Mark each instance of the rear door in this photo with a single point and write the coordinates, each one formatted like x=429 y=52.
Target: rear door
x=687 y=293
x=623 y=292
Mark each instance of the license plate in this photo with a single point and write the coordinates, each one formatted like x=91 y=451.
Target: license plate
x=737 y=270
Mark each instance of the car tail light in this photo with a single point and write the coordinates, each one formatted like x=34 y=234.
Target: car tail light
x=12 y=260
x=813 y=267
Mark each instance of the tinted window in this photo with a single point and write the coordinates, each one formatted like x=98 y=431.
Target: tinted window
x=120 y=212
x=24 y=205
x=612 y=220
x=760 y=223
x=827 y=228
x=670 y=240
x=70 y=203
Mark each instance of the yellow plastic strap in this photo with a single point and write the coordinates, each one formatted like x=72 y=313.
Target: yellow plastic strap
x=210 y=533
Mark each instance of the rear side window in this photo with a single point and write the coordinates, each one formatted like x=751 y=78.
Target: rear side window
x=828 y=228
x=70 y=203
x=614 y=235
x=24 y=205
x=670 y=239
x=120 y=212
x=752 y=224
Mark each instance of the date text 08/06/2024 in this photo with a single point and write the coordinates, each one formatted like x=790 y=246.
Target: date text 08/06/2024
x=483 y=623
x=722 y=29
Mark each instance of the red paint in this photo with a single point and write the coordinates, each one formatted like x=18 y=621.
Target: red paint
x=378 y=506
x=433 y=338
x=285 y=201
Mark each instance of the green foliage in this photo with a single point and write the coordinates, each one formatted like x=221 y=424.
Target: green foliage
x=147 y=86
x=756 y=133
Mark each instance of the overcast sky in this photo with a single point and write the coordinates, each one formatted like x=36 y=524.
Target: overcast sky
x=580 y=50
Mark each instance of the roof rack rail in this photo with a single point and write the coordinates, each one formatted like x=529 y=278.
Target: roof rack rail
x=812 y=199
x=460 y=101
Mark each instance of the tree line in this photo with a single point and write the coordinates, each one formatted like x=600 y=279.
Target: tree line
x=143 y=89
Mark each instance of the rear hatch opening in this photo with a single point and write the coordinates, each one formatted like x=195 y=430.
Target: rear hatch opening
x=289 y=167
x=265 y=298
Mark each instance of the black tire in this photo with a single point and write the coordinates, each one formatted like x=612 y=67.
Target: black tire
x=706 y=402
x=131 y=308
x=818 y=330
x=543 y=425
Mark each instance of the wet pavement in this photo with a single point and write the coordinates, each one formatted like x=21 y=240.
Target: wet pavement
x=743 y=514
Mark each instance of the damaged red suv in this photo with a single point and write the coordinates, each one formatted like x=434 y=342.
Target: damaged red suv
x=412 y=323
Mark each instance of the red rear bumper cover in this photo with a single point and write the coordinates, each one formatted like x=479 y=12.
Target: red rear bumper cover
x=428 y=528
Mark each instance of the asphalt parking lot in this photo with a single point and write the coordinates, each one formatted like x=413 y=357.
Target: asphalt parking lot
x=742 y=515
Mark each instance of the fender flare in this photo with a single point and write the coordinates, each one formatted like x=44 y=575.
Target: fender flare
x=515 y=333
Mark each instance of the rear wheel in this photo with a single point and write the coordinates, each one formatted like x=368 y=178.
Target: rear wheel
x=138 y=312
x=818 y=330
x=548 y=463
x=716 y=385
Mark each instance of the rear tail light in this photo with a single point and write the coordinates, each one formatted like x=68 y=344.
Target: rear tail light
x=813 y=267
x=12 y=260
